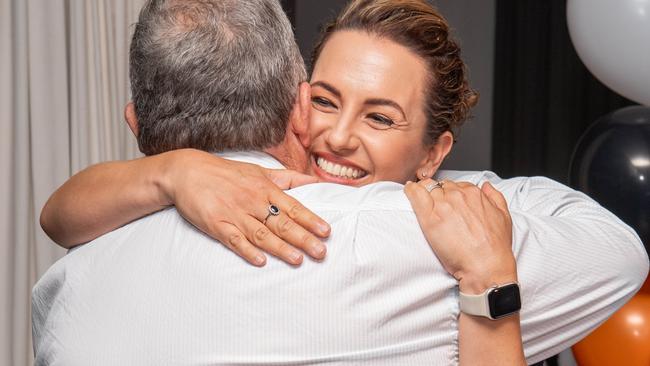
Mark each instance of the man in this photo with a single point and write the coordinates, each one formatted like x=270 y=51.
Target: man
x=158 y=291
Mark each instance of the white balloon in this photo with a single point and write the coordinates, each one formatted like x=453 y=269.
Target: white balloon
x=612 y=37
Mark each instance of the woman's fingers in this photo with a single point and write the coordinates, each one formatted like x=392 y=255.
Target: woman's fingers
x=250 y=238
x=423 y=204
x=286 y=179
x=495 y=197
x=300 y=214
x=419 y=197
x=263 y=237
x=230 y=236
x=281 y=234
x=285 y=228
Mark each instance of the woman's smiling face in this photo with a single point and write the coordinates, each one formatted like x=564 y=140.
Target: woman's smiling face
x=368 y=117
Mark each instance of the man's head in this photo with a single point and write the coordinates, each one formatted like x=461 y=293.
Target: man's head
x=213 y=75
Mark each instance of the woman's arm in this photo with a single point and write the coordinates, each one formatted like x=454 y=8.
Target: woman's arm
x=218 y=196
x=470 y=230
x=487 y=342
x=104 y=197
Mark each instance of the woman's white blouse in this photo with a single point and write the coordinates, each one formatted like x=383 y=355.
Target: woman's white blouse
x=159 y=292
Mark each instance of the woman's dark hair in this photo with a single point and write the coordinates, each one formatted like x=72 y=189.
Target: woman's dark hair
x=416 y=25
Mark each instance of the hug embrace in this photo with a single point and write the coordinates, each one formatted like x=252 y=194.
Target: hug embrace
x=285 y=218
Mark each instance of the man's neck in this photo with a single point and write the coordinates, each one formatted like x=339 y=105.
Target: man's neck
x=295 y=159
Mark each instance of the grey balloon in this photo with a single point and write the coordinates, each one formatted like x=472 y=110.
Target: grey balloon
x=612 y=38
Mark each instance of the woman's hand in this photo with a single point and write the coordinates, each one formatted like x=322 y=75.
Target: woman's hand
x=230 y=201
x=227 y=200
x=470 y=230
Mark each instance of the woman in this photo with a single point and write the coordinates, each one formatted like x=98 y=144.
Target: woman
x=388 y=88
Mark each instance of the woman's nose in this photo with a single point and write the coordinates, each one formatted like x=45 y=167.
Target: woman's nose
x=341 y=137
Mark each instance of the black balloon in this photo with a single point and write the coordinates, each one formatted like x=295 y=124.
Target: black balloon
x=611 y=163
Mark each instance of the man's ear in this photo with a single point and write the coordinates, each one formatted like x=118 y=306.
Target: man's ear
x=300 y=118
x=436 y=155
x=131 y=118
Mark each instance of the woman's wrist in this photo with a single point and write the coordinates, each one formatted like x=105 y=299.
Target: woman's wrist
x=163 y=177
x=480 y=278
x=174 y=171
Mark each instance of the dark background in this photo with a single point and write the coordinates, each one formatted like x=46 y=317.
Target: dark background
x=545 y=98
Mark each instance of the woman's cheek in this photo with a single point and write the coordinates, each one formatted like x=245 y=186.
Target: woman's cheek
x=320 y=122
x=404 y=159
x=384 y=153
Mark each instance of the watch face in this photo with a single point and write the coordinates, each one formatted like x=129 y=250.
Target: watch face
x=504 y=301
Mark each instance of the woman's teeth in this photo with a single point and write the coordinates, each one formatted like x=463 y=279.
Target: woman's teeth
x=339 y=170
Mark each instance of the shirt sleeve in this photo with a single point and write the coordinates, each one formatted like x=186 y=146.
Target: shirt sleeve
x=577 y=263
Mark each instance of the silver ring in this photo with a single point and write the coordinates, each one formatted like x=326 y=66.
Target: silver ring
x=431 y=186
x=273 y=211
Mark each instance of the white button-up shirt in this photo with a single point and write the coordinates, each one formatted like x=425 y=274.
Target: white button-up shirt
x=159 y=292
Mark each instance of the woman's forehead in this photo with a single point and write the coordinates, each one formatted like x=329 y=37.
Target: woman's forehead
x=358 y=62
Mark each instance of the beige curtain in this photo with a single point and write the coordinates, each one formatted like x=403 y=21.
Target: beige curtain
x=63 y=85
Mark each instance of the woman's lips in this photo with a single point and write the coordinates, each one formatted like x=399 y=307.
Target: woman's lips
x=337 y=170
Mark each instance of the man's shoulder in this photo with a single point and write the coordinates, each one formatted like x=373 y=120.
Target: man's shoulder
x=474 y=176
x=521 y=193
x=389 y=196
x=161 y=226
x=337 y=197
x=480 y=176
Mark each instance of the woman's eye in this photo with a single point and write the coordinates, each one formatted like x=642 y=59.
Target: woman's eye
x=381 y=119
x=322 y=102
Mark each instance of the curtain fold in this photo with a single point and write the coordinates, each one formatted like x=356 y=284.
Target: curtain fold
x=63 y=85
x=544 y=96
x=98 y=53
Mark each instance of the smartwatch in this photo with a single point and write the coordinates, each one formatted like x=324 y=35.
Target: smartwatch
x=496 y=302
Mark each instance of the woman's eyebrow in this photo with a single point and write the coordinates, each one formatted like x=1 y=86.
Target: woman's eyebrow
x=330 y=88
x=386 y=102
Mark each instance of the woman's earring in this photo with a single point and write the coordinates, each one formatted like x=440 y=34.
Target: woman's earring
x=423 y=175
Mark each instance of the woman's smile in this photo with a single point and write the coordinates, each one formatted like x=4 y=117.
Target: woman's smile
x=336 y=169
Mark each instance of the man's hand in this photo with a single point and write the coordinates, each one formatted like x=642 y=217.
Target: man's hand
x=470 y=230
x=229 y=201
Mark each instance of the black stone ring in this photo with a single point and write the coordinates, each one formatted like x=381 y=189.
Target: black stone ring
x=273 y=211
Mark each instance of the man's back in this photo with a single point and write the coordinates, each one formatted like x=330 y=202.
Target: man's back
x=159 y=291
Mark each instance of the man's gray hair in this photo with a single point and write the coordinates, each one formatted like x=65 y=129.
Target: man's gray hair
x=213 y=75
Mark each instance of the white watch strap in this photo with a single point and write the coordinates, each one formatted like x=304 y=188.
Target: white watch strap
x=475 y=304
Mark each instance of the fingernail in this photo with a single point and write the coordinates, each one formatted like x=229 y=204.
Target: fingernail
x=324 y=229
x=318 y=249
x=295 y=257
x=259 y=260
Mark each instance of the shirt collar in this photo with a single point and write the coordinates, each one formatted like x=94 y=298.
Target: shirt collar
x=254 y=157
